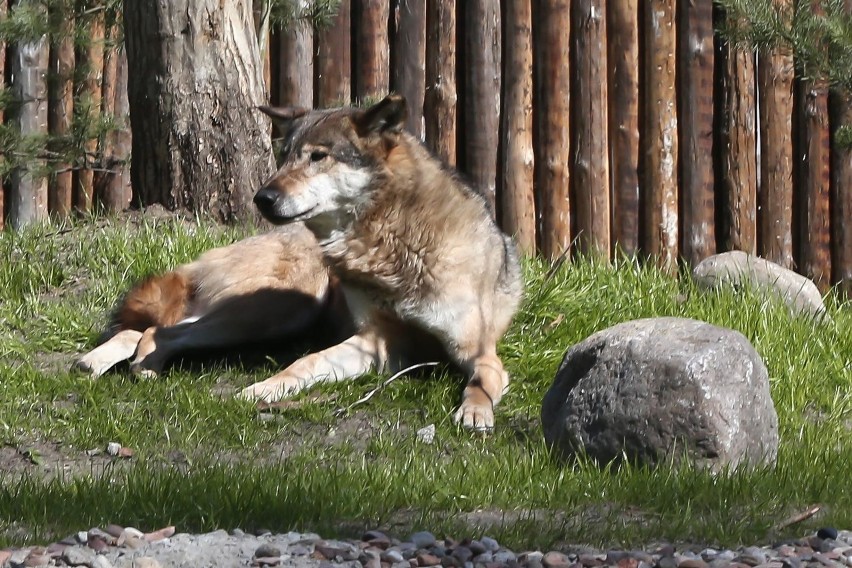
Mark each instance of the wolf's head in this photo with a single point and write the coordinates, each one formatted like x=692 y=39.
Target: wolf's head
x=329 y=163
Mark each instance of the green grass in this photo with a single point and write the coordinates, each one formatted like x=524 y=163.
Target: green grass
x=204 y=460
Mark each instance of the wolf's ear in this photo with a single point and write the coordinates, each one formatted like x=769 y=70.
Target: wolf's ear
x=283 y=116
x=388 y=115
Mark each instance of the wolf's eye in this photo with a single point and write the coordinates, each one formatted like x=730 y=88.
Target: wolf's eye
x=318 y=155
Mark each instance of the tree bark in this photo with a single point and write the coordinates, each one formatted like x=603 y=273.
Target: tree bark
x=518 y=201
x=590 y=155
x=552 y=129
x=841 y=194
x=295 y=65
x=738 y=145
x=814 y=179
x=371 y=59
x=61 y=104
x=775 y=195
x=408 y=58
x=439 y=105
x=3 y=10
x=661 y=143
x=481 y=98
x=695 y=118
x=195 y=80
x=623 y=58
x=333 y=64
x=92 y=57
x=28 y=194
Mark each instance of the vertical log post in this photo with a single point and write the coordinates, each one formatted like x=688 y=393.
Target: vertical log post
x=738 y=148
x=439 y=105
x=552 y=84
x=660 y=183
x=92 y=57
x=841 y=197
x=623 y=58
x=333 y=63
x=295 y=62
x=775 y=194
x=28 y=193
x=103 y=177
x=370 y=55
x=481 y=100
x=61 y=103
x=518 y=202
x=695 y=119
x=119 y=183
x=590 y=155
x=408 y=58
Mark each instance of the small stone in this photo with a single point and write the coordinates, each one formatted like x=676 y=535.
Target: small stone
x=82 y=537
x=37 y=559
x=373 y=535
x=422 y=539
x=134 y=542
x=78 y=556
x=103 y=535
x=628 y=562
x=145 y=562
x=667 y=561
x=426 y=559
x=591 y=560
x=462 y=554
x=426 y=434
x=392 y=556
x=266 y=561
x=113 y=448
x=262 y=532
x=267 y=550
x=555 y=559
x=101 y=561
x=114 y=530
x=484 y=558
x=54 y=549
x=97 y=544
x=615 y=556
x=476 y=547
x=160 y=534
x=4 y=556
x=828 y=532
x=504 y=556
x=370 y=559
x=298 y=550
x=239 y=533
x=490 y=544
x=692 y=563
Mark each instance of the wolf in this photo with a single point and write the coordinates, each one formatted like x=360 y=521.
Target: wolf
x=424 y=269
x=263 y=289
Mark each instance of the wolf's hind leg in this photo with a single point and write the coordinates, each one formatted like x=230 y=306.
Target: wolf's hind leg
x=357 y=355
x=102 y=358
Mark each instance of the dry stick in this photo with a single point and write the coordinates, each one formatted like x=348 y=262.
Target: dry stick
x=797 y=518
x=369 y=395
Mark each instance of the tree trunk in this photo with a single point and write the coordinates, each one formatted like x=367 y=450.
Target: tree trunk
x=195 y=79
x=695 y=118
x=92 y=58
x=481 y=98
x=295 y=65
x=439 y=105
x=623 y=58
x=408 y=58
x=590 y=155
x=775 y=195
x=333 y=85
x=371 y=63
x=661 y=180
x=738 y=146
x=841 y=193
x=552 y=128
x=813 y=177
x=61 y=104
x=28 y=195
x=518 y=201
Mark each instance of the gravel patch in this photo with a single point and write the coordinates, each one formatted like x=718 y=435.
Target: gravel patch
x=126 y=547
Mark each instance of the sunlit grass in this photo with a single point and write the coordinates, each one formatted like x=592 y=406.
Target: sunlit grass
x=313 y=468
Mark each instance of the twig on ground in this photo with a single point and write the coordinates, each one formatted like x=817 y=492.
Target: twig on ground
x=369 y=395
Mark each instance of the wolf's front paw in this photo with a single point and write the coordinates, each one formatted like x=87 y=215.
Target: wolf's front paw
x=268 y=391
x=90 y=366
x=474 y=416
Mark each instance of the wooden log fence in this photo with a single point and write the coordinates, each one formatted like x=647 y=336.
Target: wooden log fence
x=591 y=126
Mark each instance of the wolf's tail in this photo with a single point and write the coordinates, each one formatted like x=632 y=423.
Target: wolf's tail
x=158 y=300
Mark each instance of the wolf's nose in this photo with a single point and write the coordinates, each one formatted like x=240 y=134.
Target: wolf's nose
x=265 y=198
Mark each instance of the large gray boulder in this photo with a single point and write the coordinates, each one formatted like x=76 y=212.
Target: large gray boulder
x=737 y=268
x=654 y=389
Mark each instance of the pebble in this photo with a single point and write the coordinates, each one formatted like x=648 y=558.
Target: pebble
x=127 y=547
